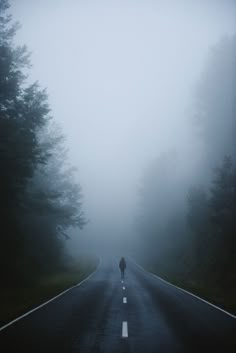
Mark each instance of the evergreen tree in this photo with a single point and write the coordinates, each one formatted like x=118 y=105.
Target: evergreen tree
x=39 y=198
x=223 y=218
x=215 y=102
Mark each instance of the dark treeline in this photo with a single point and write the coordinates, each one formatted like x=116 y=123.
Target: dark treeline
x=187 y=225
x=38 y=198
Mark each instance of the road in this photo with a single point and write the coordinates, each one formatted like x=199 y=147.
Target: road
x=152 y=316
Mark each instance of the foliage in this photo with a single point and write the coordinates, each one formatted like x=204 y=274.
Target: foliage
x=196 y=240
x=214 y=103
x=39 y=198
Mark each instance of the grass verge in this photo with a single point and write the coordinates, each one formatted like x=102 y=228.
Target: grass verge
x=224 y=299
x=15 y=302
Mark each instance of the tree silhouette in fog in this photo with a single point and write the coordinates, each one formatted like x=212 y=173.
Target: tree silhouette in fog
x=195 y=240
x=39 y=198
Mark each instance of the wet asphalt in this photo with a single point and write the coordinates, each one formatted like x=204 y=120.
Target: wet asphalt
x=155 y=317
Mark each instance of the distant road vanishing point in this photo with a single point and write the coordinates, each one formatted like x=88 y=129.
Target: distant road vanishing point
x=141 y=314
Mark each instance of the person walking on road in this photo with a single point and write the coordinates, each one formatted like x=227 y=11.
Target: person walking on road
x=122 y=266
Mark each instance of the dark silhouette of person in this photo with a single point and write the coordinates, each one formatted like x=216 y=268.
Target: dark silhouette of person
x=122 y=266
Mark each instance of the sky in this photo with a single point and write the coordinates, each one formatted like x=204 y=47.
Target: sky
x=120 y=77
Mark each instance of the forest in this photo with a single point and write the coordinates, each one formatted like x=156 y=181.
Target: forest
x=39 y=199
x=187 y=224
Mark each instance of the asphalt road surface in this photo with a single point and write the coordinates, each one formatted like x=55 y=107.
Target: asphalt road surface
x=104 y=315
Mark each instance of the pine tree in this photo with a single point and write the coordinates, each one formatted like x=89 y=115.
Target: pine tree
x=39 y=198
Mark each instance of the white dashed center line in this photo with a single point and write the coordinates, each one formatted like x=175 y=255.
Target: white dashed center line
x=124 y=329
x=124 y=300
x=123 y=288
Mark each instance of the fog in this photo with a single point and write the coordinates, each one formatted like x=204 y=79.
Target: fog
x=121 y=77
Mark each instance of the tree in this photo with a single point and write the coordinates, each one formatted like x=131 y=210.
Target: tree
x=161 y=218
x=22 y=112
x=198 y=217
x=211 y=215
x=212 y=220
x=198 y=210
x=39 y=198
x=215 y=102
x=223 y=217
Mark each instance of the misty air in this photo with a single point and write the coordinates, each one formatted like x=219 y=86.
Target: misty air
x=118 y=176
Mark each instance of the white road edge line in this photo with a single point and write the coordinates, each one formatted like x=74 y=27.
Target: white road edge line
x=50 y=300
x=125 y=329
x=184 y=290
x=124 y=300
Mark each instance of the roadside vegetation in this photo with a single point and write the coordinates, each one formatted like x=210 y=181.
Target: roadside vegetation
x=39 y=196
x=208 y=291
x=186 y=225
x=16 y=301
